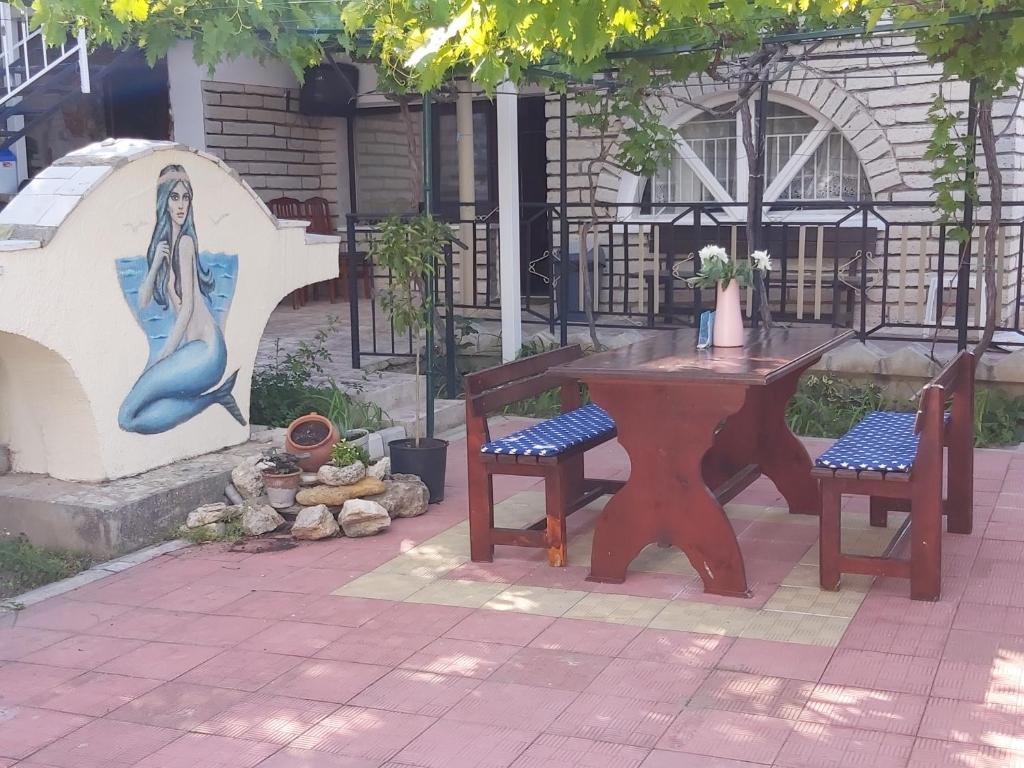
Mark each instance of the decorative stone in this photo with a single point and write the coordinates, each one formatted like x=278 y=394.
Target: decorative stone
x=211 y=513
x=260 y=519
x=309 y=478
x=335 y=496
x=348 y=475
x=314 y=523
x=361 y=517
x=404 y=498
x=380 y=470
x=247 y=478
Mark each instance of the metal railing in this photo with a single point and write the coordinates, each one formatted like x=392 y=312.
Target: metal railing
x=25 y=56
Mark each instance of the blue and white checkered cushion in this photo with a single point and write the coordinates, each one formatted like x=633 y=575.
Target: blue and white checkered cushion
x=555 y=435
x=881 y=441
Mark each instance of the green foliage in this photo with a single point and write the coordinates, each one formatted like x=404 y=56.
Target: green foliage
x=232 y=533
x=998 y=418
x=546 y=404
x=347 y=412
x=344 y=453
x=716 y=266
x=24 y=566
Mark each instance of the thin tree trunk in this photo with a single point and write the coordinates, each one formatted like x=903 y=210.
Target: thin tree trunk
x=995 y=180
x=754 y=181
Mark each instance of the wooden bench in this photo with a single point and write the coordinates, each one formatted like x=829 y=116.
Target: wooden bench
x=897 y=460
x=552 y=449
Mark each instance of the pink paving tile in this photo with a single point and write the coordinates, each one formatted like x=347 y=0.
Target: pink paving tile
x=731 y=735
x=1000 y=682
x=452 y=744
x=678 y=647
x=543 y=575
x=552 y=669
x=194 y=749
x=294 y=638
x=326 y=680
x=67 y=615
x=982 y=647
x=972 y=722
x=18 y=642
x=418 y=618
x=272 y=719
x=907 y=611
x=643 y=584
x=929 y=753
x=269 y=605
x=136 y=589
x=20 y=682
x=615 y=719
x=375 y=646
x=342 y=611
x=23 y=730
x=660 y=758
x=491 y=702
x=160 y=661
x=315 y=580
x=200 y=597
x=310 y=758
x=244 y=670
x=580 y=636
x=142 y=624
x=461 y=657
x=177 y=705
x=766 y=657
x=862 y=708
x=374 y=734
x=893 y=636
x=105 y=744
x=811 y=745
x=500 y=627
x=754 y=694
x=83 y=651
x=220 y=631
x=550 y=751
x=416 y=692
x=884 y=671
x=94 y=693
x=649 y=680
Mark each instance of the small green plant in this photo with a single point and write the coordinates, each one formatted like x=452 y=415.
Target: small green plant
x=346 y=412
x=24 y=566
x=546 y=404
x=344 y=453
x=277 y=462
x=998 y=418
x=232 y=533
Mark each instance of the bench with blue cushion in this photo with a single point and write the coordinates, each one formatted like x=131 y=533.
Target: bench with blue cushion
x=552 y=449
x=897 y=459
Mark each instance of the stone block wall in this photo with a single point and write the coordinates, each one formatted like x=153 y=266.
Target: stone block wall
x=387 y=175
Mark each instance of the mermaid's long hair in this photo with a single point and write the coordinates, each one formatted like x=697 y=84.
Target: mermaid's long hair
x=170 y=177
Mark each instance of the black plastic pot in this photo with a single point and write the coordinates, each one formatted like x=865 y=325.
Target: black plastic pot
x=427 y=460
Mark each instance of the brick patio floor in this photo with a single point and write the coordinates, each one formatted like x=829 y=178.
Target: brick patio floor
x=398 y=652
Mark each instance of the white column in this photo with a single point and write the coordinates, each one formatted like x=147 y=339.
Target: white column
x=467 y=188
x=508 y=211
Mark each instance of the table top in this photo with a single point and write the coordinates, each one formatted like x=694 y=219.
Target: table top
x=767 y=356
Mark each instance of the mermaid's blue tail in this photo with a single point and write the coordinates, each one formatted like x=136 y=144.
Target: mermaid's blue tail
x=222 y=395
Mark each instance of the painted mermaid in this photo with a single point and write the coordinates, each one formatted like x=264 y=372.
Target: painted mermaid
x=182 y=381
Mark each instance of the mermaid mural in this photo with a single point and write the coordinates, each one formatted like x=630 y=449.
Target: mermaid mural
x=181 y=298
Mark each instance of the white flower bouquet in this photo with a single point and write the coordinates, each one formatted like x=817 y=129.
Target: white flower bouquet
x=716 y=266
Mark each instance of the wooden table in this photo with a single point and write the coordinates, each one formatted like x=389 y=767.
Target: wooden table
x=699 y=426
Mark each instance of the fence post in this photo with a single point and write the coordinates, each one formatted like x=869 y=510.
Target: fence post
x=963 y=279
x=563 y=227
x=449 y=324
x=863 y=334
x=353 y=288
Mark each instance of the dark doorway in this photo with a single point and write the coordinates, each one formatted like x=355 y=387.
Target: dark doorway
x=535 y=237
x=136 y=98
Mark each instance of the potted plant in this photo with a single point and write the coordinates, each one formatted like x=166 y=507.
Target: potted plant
x=407 y=249
x=281 y=477
x=311 y=437
x=344 y=454
x=726 y=276
x=355 y=419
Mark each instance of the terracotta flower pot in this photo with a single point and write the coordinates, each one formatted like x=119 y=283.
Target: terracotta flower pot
x=314 y=435
x=728 y=317
x=281 y=489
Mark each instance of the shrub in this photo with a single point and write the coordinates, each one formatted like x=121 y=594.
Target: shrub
x=343 y=454
x=24 y=566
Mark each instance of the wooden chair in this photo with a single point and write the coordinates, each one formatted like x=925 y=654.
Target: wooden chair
x=290 y=208
x=318 y=211
x=552 y=449
x=897 y=460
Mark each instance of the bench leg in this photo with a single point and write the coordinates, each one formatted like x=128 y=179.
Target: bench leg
x=829 y=543
x=960 y=484
x=556 y=487
x=926 y=546
x=879 y=513
x=481 y=513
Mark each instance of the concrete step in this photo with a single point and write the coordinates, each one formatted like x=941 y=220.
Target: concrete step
x=448 y=415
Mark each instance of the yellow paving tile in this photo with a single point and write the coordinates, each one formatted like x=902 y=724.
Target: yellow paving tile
x=424 y=567
x=539 y=600
x=777 y=515
x=804 y=575
x=655 y=559
x=704 y=617
x=796 y=628
x=384 y=586
x=459 y=592
x=579 y=548
x=744 y=511
x=862 y=520
x=520 y=510
x=617 y=609
x=814 y=600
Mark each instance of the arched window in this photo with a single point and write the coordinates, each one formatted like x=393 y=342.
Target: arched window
x=807 y=158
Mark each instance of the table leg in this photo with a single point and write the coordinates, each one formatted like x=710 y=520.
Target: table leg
x=666 y=430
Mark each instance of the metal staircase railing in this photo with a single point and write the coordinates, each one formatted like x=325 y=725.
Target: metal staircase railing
x=25 y=57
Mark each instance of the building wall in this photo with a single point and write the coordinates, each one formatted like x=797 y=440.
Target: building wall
x=386 y=174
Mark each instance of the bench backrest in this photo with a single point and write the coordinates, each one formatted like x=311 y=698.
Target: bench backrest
x=955 y=382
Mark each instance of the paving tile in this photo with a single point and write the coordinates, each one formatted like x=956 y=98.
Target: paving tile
x=467 y=594
x=703 y=618
x=615 y=719
x=542 y=601
x=199 y=597
x=326 y=680
x=383 y=586
x=551 y=751
x=219 y=631
x=375 y=734
x=20 y=682
x=470 y=658
x=796 y=628
x=862 y=708
x=571 y=577
x=500 y=627
x=677 y=647
x=815 y=601
x=18 y=642
x=795 y=661
x=177 y=705
x=491 y=702
x=24 y=730
x=730 y=735
x=194 y=749
x=1000 y=681
x=244 y=670
x=883 y=671
x=455 y=744
x=105 y=744
x=776 y=697
x=267 y=718
x=375 y=646
x=617 y=609
x=892 y=636
x=973 y=722
x=551 y=669
x=416 y=692
x=343 y=611
x=418 y=618
x=811 y=745
x=906 y=611
x=504 y=571
x=68 y=615
x=593 y=637
x=83 y=651
x=930 y=753
x=263 y=604
x=160 y=661
x=310 y=758
x=660 y=758
x=143 y=624
x=294 y=638
x=94 y=693
x=650 y=680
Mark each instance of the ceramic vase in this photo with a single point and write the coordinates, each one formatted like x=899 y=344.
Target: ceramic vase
x=728 y=317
